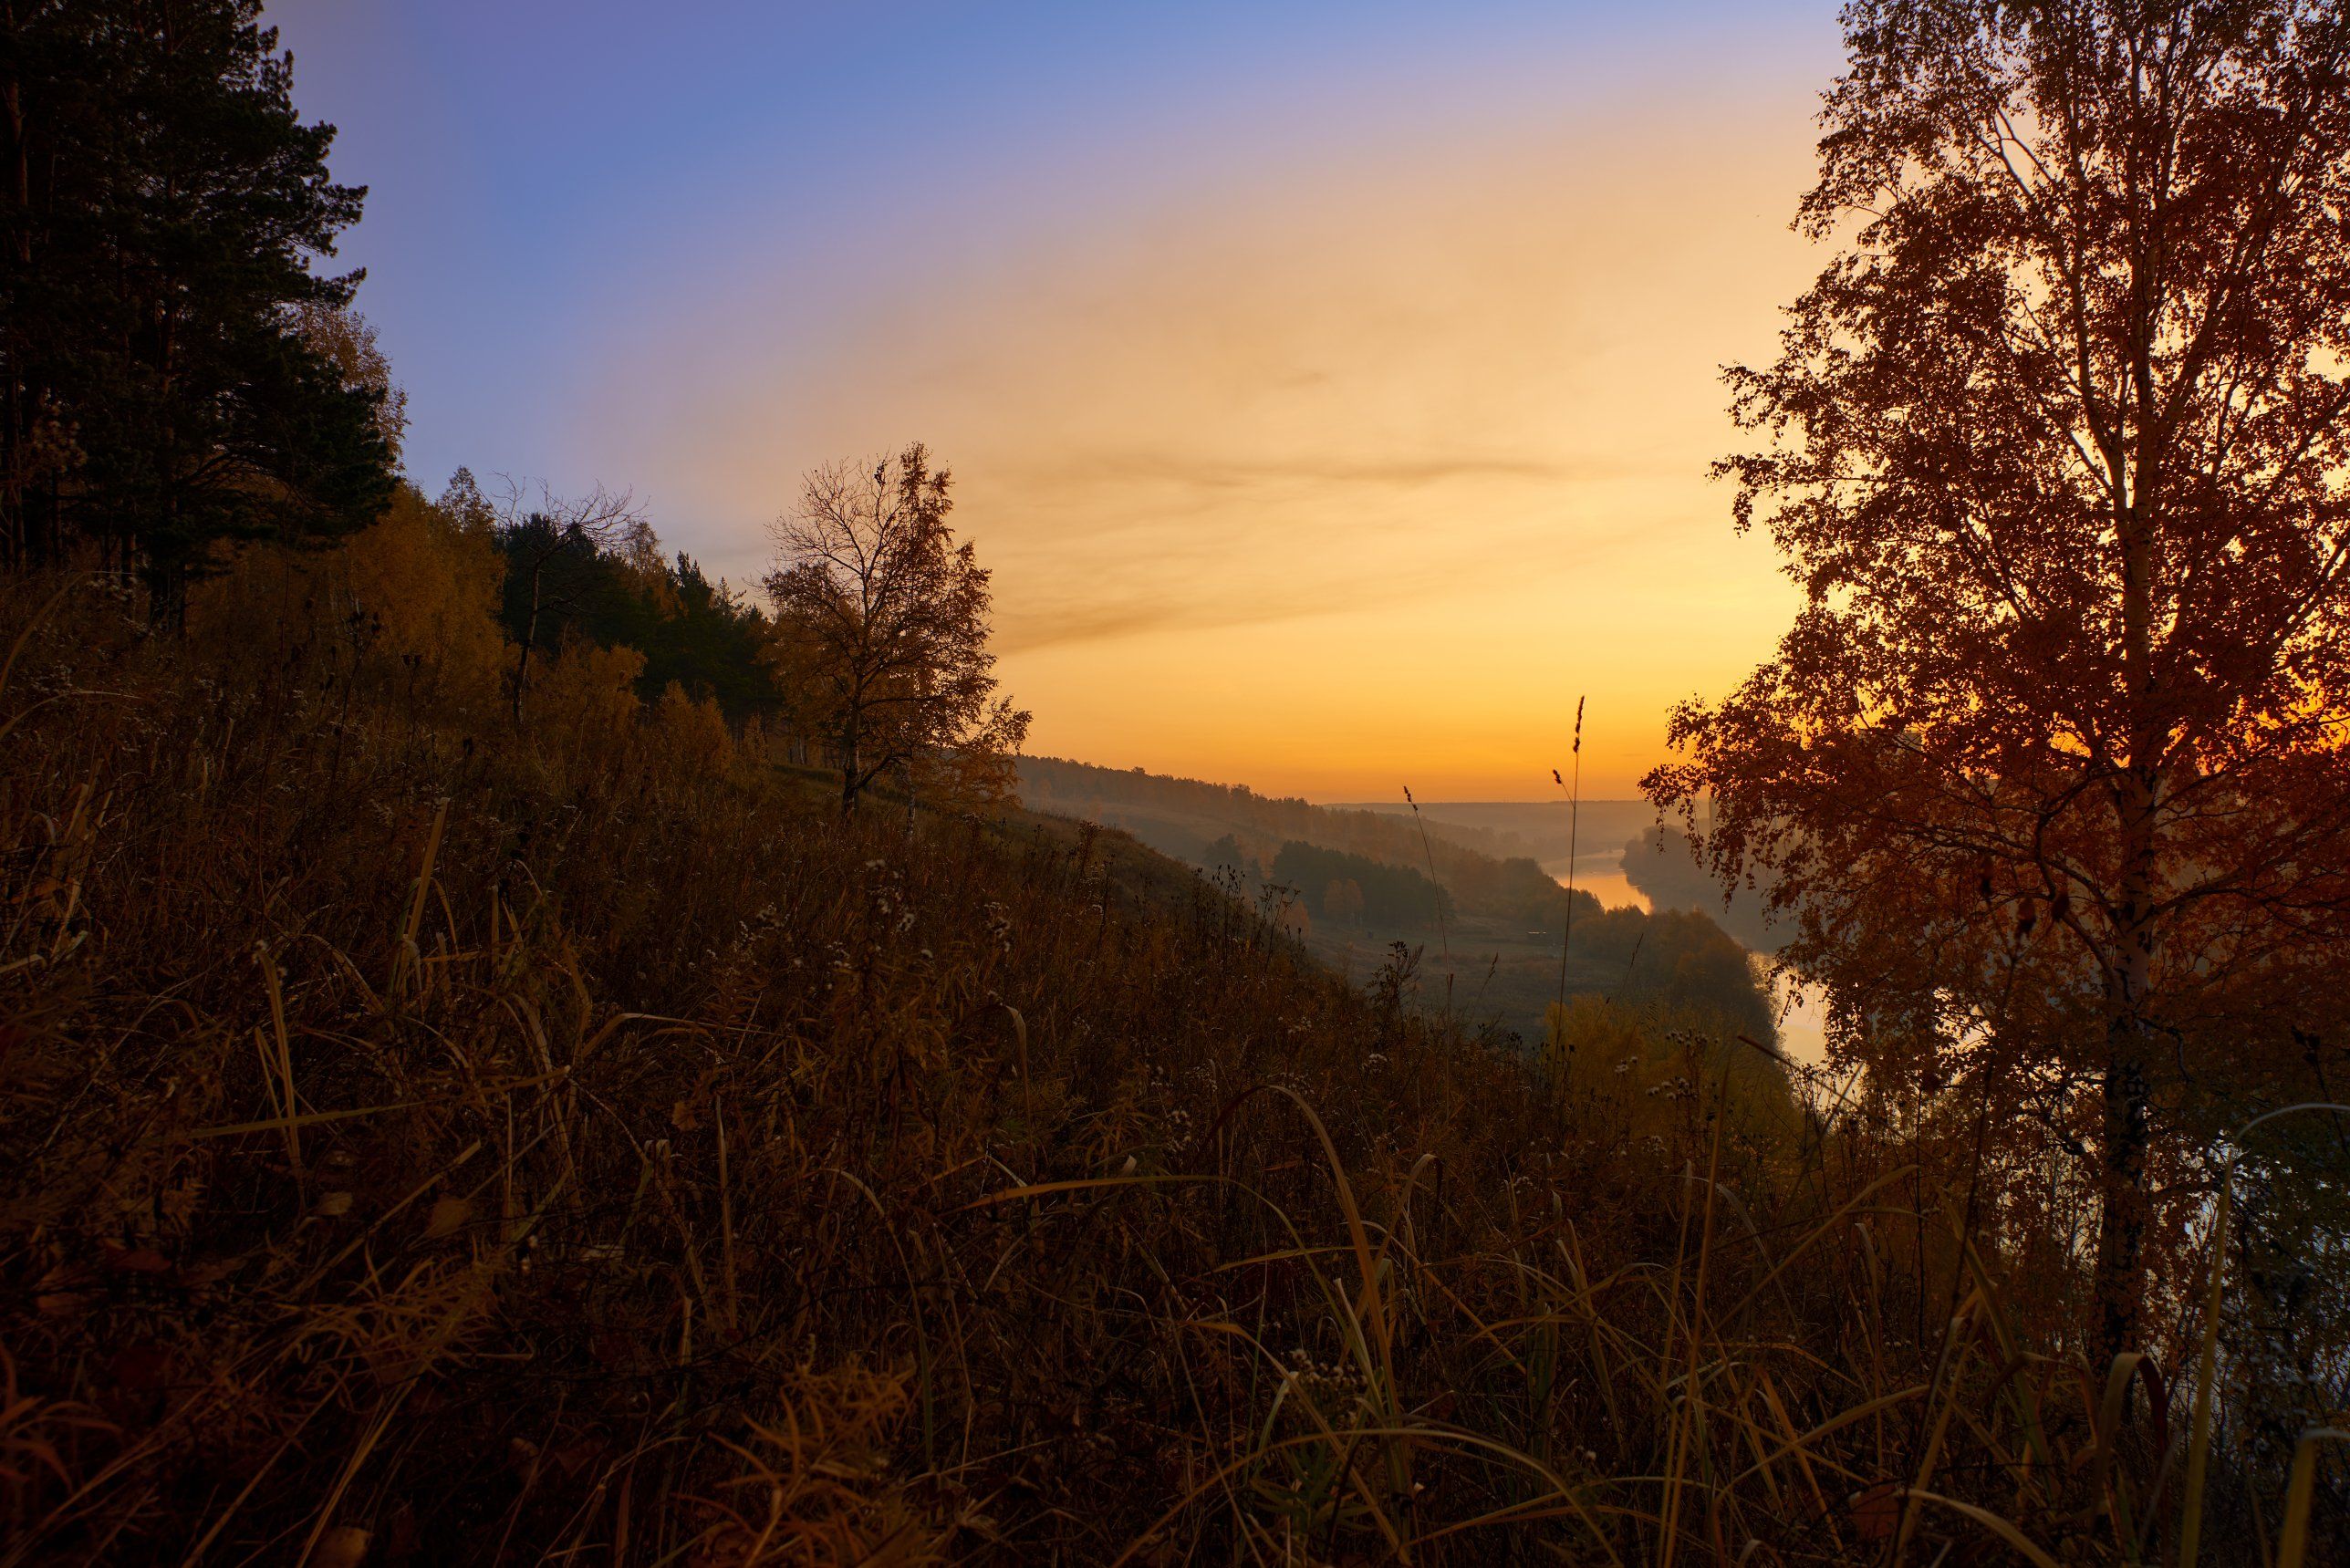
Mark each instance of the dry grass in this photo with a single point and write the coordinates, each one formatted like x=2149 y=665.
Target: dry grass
x=428 y=1143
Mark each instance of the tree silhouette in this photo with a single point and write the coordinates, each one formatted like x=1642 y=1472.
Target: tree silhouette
x=884 y=619
x=161 y=211
x=2051 y=760
x=555 y=553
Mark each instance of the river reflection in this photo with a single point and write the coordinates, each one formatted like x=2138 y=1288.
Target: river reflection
x=1802 y=1025
x=1600 y=874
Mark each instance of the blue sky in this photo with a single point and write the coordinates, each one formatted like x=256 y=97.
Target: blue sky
x=1238 y=320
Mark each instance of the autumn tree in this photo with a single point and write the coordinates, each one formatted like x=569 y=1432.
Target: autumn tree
x=467 y=508
x=345 y=341
x=883 y=620
x=2050 y=764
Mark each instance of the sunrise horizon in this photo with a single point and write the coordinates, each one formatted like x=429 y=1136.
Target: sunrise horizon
x=1343 y=433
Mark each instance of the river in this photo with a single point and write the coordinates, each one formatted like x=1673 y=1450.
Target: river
x=1600 y=873
x=1803 y=1027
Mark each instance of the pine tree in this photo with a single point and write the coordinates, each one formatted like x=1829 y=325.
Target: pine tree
x=161 y=209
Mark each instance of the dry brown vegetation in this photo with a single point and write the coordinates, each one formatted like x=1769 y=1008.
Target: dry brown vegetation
x=428 y=1141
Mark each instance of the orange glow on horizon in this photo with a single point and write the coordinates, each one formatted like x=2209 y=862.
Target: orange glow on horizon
x=1329 y=477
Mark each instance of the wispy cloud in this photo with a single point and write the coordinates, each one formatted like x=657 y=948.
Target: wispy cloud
x=1225 y=454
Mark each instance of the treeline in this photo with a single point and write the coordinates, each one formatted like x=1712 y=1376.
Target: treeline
x=1056 y=783
x=612 y=585
x=557 y=614
x=1481 y=869
x=1355 y=889
x=435 y=594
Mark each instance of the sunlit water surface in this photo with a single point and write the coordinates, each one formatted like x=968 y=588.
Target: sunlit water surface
x=1803 y=1027
x=1600 y=874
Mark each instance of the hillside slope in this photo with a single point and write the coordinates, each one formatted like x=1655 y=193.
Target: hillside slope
x=422 y=1128
x=425 y=1140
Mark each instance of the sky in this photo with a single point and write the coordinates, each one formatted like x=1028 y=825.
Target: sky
x=1331 y=386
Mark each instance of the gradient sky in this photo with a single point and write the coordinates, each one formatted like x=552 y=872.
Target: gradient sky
x=1331 y=386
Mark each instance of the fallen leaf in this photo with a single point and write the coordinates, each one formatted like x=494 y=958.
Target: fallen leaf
x=1876 y=1511
x=344 y=1546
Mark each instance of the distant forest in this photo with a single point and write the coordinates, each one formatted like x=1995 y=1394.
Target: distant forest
x=1354 y=888
x=1349 y=880
x=1168 y=814
x=1483 y=871
x=1544 y=829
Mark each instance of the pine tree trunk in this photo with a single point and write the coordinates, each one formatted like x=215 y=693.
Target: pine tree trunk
x=16 y=536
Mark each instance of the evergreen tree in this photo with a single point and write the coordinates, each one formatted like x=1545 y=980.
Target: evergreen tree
x=161 y=209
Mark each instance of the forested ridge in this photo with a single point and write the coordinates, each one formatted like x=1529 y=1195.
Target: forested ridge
x=514 y=1051
x=1177 y=810
x=1491 y=927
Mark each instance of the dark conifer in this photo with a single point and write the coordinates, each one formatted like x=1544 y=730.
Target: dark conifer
x=163 y=209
